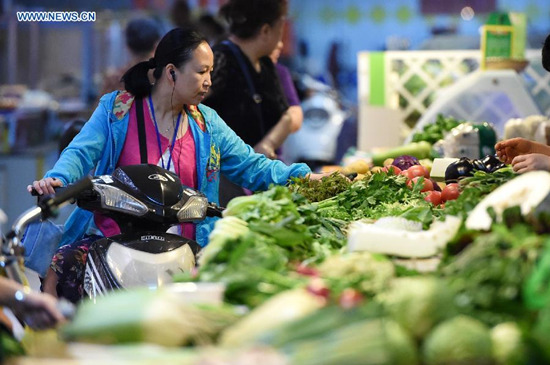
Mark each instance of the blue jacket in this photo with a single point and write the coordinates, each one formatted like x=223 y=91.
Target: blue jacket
x=99 y=144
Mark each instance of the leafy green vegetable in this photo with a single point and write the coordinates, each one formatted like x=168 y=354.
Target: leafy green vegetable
x=489 y=274
x=269 y=206
x=433 y=132
x=536 y=289
x=252 y=267
x=290 y=221
x=377 y=196
x=317 y=190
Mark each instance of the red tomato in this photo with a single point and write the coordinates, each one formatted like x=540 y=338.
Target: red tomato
x=408 y=174
x=427 y=185
x=391 y=170
x=419 y=170
x=433 y=197
x=450 y=192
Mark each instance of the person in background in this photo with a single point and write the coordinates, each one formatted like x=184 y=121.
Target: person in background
x=142 y=36
x=182 y=135
x=212 y=29
x=180 y=14
x=525 y=155
x=294 y=109
x=246 y=91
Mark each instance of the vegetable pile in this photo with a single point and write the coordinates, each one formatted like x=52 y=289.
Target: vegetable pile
x=314 y=295
x=379 y=195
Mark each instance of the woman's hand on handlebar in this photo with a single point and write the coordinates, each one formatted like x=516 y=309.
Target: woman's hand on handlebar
x=45 y=186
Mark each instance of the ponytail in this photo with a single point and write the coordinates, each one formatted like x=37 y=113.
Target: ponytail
x=136 y=80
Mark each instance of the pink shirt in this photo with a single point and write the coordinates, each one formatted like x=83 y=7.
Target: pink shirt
x=183 y=162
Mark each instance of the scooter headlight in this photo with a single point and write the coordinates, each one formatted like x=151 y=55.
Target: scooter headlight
x=115 y=199
x=193 y=209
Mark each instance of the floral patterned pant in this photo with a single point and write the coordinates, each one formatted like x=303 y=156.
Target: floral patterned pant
x=69 y=263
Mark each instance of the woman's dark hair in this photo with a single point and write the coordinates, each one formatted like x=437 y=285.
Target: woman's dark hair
x=176 y=47
x=546 y=54
x=246 y=17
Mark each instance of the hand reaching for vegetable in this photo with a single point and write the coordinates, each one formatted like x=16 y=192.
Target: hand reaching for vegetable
x=508 y=149
x=45 y=186
x=531 y=162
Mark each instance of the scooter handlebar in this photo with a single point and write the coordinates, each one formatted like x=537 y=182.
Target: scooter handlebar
x=71 y=191
x=214 y=210
x=50 y=203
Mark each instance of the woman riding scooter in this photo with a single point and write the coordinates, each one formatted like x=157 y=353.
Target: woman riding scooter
x=178 y=133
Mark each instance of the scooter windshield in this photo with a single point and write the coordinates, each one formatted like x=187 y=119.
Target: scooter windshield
x=137 y=268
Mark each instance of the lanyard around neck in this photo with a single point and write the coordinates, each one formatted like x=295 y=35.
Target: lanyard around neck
x=171 y=147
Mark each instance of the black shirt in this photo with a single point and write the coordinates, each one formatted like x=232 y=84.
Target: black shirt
x=231 y=97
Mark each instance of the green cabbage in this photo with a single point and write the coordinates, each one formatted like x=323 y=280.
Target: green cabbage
x=418 y=303
x=459 y=340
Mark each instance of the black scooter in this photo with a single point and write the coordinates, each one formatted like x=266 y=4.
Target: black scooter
x=145 y=201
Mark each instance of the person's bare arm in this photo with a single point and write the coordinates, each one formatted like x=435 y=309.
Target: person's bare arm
x=296 y=117
x=275 y=137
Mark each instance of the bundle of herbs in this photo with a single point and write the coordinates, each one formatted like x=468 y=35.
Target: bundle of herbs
x=317 y=190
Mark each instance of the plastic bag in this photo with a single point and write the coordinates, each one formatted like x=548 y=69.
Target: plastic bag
x=41 y=240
